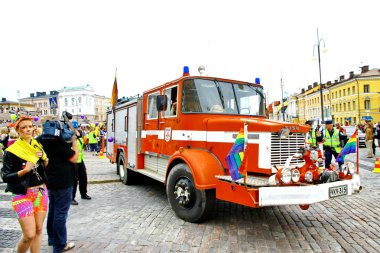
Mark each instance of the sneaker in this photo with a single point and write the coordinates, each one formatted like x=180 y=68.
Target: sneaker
x=86 y=197
x=69 y=246
x=74 y=202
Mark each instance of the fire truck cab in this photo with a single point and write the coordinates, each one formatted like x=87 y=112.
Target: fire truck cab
x=180 y=133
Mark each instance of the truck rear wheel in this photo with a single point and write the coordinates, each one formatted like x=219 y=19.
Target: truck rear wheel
x=188 y=203
x=125 y=174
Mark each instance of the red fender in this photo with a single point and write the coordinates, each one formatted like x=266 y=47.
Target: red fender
x=202 y=164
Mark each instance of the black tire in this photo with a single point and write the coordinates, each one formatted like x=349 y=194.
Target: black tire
x=125 y=174
x=189 y=204
x=120 y=166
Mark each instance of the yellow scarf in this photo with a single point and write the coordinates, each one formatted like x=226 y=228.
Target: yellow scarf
x=27 y=151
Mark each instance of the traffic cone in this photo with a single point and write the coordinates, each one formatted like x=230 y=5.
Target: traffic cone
x=377 y=166
x=101 y=151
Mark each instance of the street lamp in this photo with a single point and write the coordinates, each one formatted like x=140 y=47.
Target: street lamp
x=282 y=98
x=318 y=45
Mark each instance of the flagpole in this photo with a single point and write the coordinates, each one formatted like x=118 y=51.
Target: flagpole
x=357 y=151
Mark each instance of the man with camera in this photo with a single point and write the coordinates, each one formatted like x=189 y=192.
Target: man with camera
x=62 y=150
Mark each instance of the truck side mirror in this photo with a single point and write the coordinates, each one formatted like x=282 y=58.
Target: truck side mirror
x=162 y=102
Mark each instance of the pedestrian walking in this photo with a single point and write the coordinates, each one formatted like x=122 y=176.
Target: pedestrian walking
x=80 y=172
x=368 y=129
x=60 y=174
x=24 y=172
x=93 y=142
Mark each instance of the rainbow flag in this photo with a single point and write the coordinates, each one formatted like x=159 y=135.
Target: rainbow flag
x=349 y=148
x=235 y=156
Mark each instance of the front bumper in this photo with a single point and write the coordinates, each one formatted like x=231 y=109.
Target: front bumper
x=302 y=195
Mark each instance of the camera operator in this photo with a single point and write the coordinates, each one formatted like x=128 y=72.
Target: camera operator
x=63 y=154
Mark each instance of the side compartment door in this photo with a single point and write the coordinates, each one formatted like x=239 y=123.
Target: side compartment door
x=131 y=136
x=110 y=133
x=121 y=127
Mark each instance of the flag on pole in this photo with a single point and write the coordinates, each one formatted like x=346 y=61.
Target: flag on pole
x=235 y=159
x=114 y=93
x=349 y=148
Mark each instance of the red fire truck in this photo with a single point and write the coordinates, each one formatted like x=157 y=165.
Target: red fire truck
x=180 y=133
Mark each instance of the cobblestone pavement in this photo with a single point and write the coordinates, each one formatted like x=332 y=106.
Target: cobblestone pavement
x=138 y=218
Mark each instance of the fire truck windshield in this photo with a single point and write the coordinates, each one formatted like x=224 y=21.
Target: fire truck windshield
x=212 y=96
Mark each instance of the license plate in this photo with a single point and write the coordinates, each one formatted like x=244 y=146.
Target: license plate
x=338 y=191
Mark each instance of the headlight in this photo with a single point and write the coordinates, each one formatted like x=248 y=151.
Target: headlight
x=286 y=175
x=309 y=177
x=284 y=133
x=295 y=175
x=351 y=168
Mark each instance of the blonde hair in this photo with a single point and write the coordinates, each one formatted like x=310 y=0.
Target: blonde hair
x=4 y=130
x=13 y=134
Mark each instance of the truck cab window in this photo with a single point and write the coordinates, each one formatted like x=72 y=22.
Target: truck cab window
x=171 y=94
x=211 y=96
x=152 y=109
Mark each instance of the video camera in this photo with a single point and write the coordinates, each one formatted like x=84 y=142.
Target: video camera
x=62 y=128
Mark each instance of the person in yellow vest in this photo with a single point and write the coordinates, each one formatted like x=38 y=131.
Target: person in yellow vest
x=80 y=172
x=311 y=138
x=93 y=142
x=331 y=143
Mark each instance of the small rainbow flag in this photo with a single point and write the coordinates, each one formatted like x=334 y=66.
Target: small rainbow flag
x=235 y=156
x=349 y=148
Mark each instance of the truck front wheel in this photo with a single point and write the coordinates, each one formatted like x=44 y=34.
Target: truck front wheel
x=188 y=203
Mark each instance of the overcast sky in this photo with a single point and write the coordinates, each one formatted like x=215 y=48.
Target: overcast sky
x=46 y=45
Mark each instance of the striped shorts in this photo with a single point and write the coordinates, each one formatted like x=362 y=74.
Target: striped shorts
x=35 y=200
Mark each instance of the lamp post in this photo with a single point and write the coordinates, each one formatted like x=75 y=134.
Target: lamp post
x=318 y=45
x=282 y=98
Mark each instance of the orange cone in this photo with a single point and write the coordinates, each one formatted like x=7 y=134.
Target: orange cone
x=101 y=151
x=377 y=166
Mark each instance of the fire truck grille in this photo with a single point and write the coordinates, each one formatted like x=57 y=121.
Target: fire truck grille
x=281 y=149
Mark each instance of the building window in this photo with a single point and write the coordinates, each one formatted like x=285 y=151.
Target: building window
x=348 y=91
x=72 y=101
x=366 y=88
x=367 y=105
x=349 y=106
x=344 y=92
x=354 y=105
x=328 y=96
x=353 y=89
x=66 y=102
x=340 y=107
x=344 y=106
x=332 y=95
x=79 y=101
x=45 y=104
x=340 y=93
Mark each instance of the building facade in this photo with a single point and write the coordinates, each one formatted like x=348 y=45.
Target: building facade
x=350 y=100
x=83 y=103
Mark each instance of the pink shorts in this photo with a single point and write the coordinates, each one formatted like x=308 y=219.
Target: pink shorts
x=35 y=200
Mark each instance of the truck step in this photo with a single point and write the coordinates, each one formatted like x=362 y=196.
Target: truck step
x=252 y=181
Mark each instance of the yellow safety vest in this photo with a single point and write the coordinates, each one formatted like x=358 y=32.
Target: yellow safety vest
x=312 y=141
x=332 y=141
x=80 y=150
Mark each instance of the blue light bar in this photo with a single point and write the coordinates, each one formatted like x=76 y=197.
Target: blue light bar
x=186 y=71
x=257 y=80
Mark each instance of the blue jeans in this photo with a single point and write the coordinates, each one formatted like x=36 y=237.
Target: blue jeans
x=59 y=204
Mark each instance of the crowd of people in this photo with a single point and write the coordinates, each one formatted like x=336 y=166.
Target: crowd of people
x=334 y=138
x=42 y=173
